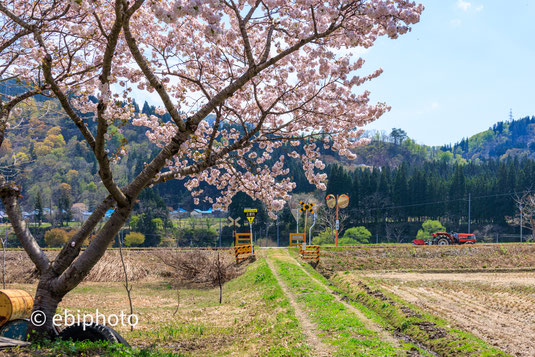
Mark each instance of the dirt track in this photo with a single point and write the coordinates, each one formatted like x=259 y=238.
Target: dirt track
x=310 y=329
x=497 y=307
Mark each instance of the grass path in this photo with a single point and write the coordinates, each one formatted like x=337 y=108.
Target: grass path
x=332 y=326
x=309 y=328
x=368 y=323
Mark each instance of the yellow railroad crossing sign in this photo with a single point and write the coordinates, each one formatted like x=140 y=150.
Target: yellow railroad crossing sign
x=306 y=207
x=250 y=214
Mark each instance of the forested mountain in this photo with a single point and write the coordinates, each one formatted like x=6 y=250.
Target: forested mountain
x=392 y=180
x=504 y=140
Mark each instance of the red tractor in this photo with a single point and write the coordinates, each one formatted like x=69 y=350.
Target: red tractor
x=444 y=238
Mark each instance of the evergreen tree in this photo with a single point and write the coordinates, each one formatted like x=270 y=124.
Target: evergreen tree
x=38 y=207
x=64 y=214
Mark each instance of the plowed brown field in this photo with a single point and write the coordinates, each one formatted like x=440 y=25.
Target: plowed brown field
x=486 y=289
x=497 y=307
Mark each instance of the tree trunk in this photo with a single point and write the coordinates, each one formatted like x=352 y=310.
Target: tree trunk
x=220 y=292
x=44 y=309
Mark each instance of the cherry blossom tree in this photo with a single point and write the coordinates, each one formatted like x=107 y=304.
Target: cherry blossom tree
x=270 y=72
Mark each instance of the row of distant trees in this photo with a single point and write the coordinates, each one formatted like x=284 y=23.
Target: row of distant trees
x=409 y=195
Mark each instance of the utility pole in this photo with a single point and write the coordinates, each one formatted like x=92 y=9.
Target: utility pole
x=297 y=215
x=521 y=223
x=277 y=229
x=469 y=202
x=219 y=232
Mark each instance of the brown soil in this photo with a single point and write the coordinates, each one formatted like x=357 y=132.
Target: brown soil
x=499 y=308
x=424 y=258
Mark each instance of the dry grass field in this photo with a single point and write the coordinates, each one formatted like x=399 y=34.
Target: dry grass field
x=368 y=301
x=254 y=318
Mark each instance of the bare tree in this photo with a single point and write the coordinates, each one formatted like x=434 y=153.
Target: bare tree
x=127 y=286
x=200 y=269
x=326 y=219
x=219 y=274
x=4 y=244
x=395 y=231
x=526 y=212
x=488 y=232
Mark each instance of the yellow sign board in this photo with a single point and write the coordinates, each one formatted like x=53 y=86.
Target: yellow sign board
x=250 y=214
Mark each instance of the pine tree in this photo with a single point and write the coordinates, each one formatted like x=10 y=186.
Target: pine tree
x=38 y=208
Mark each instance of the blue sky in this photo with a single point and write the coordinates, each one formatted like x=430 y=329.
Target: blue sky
x=459 y=71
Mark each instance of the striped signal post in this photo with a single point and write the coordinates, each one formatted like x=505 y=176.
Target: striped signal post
x=340 y=201
x=306 y=207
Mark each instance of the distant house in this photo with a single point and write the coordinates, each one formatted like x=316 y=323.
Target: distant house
x=109 y=212
x=179 y=213
x=199 y=213
x=219 y=213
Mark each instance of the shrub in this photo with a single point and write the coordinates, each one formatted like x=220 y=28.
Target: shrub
x=325 y=237
x=360 y=235
x=134 y=239
x=199 y=237
x=428 y=228
x=346 y=241
x=56 y=237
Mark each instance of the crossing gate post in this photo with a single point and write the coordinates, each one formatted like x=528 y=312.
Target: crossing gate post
x=310 y=253
x=243 y=252
x=243 y=248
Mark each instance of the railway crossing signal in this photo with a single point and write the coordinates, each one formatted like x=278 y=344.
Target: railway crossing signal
x=306 y=207
x=233 y=222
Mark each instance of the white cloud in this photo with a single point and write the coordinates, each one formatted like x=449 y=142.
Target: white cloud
x=455 y=23
x=467 y=6
x=464 y=5
x=435 y=105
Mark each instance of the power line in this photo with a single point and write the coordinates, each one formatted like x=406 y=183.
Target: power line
x=449 y=201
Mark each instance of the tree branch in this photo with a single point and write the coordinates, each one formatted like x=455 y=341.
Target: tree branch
x=72 y=249
x=9 y=194
x=102 y=127
x=149 y=74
